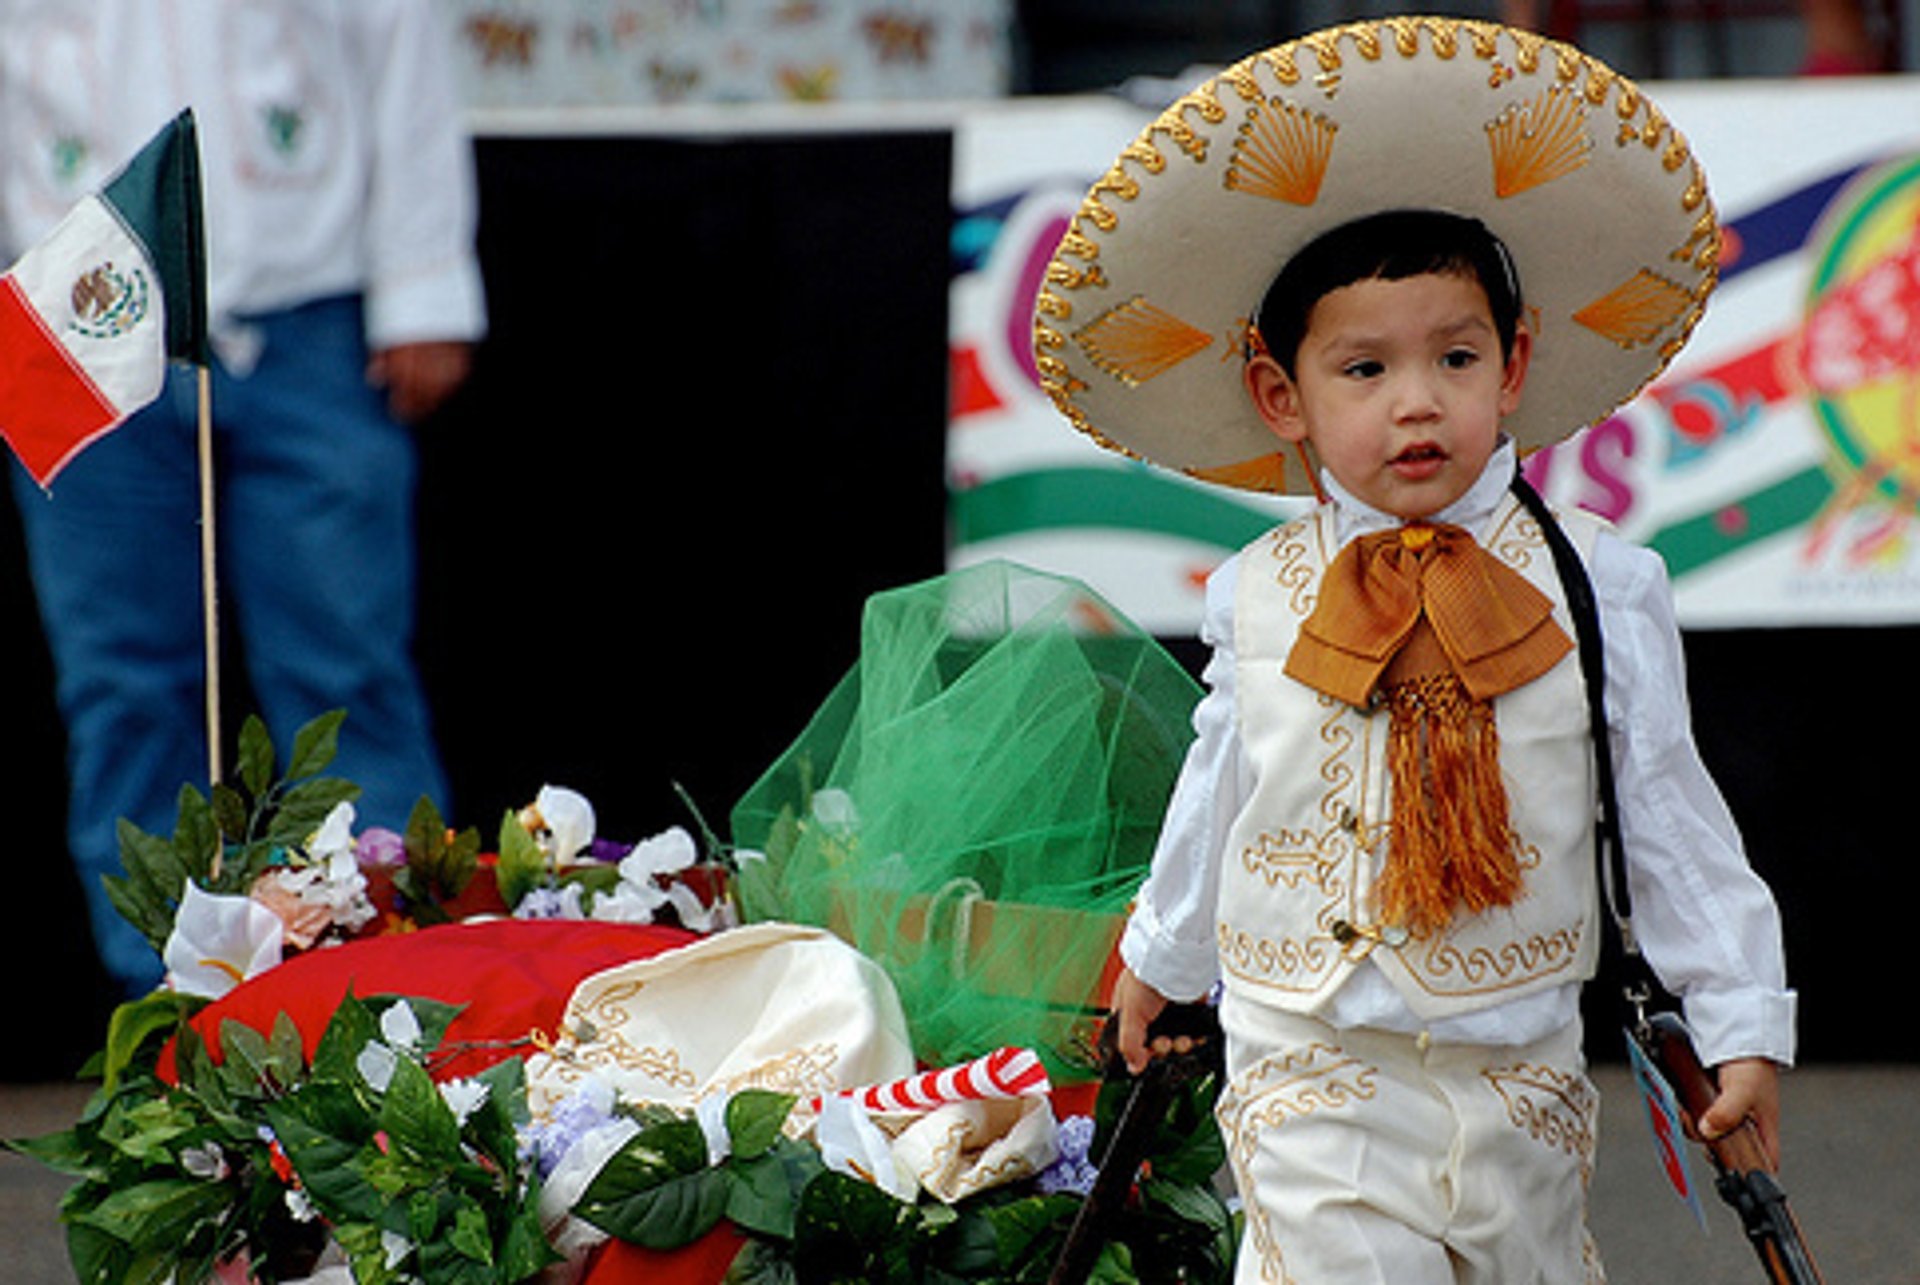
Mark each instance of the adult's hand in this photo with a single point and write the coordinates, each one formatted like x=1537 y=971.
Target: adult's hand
x=419 y=377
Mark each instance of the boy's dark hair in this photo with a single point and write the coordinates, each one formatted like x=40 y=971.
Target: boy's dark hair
x=1389 y=246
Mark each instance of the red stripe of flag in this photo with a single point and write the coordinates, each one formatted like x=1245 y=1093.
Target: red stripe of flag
x=49 y=408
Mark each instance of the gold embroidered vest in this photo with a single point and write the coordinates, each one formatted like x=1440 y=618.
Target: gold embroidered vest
x=1295 y=914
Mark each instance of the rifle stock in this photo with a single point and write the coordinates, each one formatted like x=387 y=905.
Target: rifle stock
x=1148 y=1097
x=1742 y=1174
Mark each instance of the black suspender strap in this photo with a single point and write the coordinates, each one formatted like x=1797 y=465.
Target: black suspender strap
x=1609 y=853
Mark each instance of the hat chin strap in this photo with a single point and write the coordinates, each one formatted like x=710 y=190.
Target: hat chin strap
x=1312 y=469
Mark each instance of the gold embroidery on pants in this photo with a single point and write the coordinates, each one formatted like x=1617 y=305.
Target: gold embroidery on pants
x=1283 y=1087
x=1555 y=1108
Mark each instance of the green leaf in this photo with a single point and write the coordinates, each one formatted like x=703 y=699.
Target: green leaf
x=230 y=812
x=524 y=1250
x=1114 y=1266
x=658 y=1191
x=323 y=1129
x=759 y=1263
x=256 y=756
x=142 y=1129
x=470 y=1234
x=368 y=1257
x=1022 y=1226
x=415 y=1117
x=248 y=1062
x=66 y=1152
x=157 y=1212
x=352 y=1026
x=135 y=1023
x=755 y=1118
x=315 y=744
x=521 y=866
x=1187 y=1203
x=849 y=1229
x=303 y=808
x=760 y=1198
x=196 y=835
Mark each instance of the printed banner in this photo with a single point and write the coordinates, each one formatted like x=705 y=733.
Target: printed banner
x=602 y=53
x=1775 y=466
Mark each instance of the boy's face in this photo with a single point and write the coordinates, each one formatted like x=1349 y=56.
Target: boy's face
x=1399 y=386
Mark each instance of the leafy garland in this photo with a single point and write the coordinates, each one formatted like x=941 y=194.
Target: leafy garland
x=259 y=1153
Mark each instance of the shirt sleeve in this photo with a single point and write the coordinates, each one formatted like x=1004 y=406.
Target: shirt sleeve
x=1169 y=942
x=1706 y=923
x=423 y=275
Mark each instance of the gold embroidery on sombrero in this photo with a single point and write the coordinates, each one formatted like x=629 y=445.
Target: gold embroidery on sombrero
x=1136 y=341
x=1281 y=152
x=1266 y=473
x=1637 y=310
x=1537 y=142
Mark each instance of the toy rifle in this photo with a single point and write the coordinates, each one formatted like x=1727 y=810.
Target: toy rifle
x=1151 y=1093
x=1743 y=1177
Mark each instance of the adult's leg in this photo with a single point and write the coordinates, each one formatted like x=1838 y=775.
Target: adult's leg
x=317 y=537
x=114 y=556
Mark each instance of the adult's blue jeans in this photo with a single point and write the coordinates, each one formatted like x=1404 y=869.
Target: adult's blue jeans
x=314 y=518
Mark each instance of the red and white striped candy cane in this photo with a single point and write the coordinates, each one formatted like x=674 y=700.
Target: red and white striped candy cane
x=1003 y=1073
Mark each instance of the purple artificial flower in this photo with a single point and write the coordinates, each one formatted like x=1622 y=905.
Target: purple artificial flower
x=578 y=1113
x=380 y=847
x=1073 y=1171
x=608 y=850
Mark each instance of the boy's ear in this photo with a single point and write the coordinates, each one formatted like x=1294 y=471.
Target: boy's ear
x=1276 y=397
x=1516 y=372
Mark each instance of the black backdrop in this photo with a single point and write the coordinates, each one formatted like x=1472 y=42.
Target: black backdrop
x=707 y=423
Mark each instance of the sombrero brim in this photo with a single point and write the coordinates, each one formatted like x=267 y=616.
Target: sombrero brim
x=1141 y=326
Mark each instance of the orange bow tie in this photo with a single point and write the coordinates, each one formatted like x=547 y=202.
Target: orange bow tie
x=1491 y=627
x=1427 y=621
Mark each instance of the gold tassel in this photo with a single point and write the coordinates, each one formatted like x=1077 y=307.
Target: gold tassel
x=1452 y=845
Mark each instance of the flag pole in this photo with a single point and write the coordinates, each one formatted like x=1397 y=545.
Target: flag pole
x=209 y=593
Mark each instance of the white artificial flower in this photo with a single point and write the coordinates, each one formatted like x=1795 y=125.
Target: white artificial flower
x=396 y=1247
x=696 y=915
x=629 y=903
x=401 y=1031
x=300 y=1207
x=205 y=1161
x=335 y=834
x=851 y=1143
x=219 y=941
x=666 y=853
x=463 y=1098
x=567 y=819
x=400 y=1027
x=711 y=1114
x=376 y=1063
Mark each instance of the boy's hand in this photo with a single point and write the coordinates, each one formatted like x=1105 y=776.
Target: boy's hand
x=1135 y=1005
x=419 y=377
x=1749 y=1087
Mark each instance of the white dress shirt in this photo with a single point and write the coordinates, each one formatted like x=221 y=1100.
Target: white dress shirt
x=333 y=148
x=1705 y=922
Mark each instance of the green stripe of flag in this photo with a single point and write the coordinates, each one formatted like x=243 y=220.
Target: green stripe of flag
x=157 y=197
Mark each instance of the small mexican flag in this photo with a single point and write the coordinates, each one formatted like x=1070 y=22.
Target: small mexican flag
x=91 y=315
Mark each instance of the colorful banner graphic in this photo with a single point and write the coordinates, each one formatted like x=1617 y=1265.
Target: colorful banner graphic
x=1776 y=466
x=605 y=53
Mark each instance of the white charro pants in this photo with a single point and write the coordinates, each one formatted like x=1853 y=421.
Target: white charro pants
x=1366 y=1156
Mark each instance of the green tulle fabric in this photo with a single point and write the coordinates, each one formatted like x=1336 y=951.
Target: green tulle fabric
x=975 y=804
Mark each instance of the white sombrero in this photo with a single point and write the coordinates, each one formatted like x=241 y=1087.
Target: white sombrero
x=1141 y=328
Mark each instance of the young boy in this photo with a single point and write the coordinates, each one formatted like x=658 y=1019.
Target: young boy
x=1382 y=841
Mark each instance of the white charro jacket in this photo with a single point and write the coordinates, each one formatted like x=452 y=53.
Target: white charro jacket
x=1301 y=858
x=1705 y=922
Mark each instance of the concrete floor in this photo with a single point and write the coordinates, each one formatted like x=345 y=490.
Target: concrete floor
x=1852 y=1171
